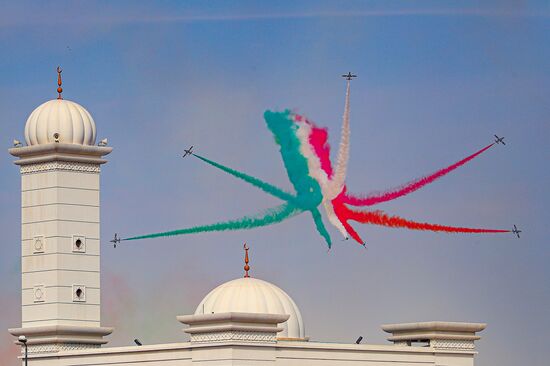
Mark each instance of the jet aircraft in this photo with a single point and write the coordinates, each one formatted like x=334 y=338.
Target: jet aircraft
x=349 y=76
x=499 y=140
x=188 y=151
x=115 y=240
x=516 y=231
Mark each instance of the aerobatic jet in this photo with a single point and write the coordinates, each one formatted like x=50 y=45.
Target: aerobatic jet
x=516 y=231
x=115 y=240
x=499 y=140
x=188 y=151
x=349 y=76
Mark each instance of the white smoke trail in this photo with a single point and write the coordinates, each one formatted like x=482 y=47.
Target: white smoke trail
x=317 y=173
x=313 y=162
x=339 y=178
x=333 y=219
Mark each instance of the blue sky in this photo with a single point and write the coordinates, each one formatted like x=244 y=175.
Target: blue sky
x=436 y=80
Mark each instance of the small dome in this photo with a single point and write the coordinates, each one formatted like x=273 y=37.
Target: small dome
x=69 y=120
x=251 y=295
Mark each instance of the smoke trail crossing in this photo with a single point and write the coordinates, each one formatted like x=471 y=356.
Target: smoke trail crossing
x=305 y=153
x=305 y=130
x=308 y=190
x=314 y=147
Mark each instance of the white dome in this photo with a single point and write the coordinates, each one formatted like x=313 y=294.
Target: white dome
x=251 y=295
x=70 y=120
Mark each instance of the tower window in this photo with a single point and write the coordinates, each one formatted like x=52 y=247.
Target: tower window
x=79 y=293
x=79 y=244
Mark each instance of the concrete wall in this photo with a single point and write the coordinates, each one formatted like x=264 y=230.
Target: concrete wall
x=59 y=207
x=282 y=353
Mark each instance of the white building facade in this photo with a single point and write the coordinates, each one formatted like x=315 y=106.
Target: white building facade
x=246 y=321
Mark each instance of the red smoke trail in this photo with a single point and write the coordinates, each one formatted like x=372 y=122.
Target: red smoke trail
x=383 y=219
x=351 y=231
x=342 y=212
x=319 y=140
x=410 y=187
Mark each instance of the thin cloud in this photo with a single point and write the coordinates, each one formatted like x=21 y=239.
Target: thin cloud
x=11 y=21
x=337 y=14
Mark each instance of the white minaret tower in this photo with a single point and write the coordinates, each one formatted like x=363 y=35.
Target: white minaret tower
x=60 y=228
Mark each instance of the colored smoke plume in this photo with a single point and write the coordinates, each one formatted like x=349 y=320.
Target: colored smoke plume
x=337 y=183
x=383 y=219
x=305 y=153
x=375 y=198
x=268 y=217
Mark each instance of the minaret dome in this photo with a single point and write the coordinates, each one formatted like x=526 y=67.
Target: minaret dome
x=60 y=120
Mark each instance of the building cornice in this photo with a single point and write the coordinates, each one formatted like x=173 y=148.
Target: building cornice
x=57 y=338
x=60 y=152
x=253 y=318
x=434 y=326
x=438 y=335
x=241 y=327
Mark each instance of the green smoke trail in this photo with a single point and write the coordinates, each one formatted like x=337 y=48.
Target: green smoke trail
x=269 y=217
x=308 y=191
x=264 y=186
x=320 y=226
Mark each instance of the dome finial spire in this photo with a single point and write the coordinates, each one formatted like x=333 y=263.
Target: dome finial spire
x=59 y=82
x=246 y=266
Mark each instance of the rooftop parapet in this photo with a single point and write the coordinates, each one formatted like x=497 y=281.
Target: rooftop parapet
x=439 y=335
x=227 y=327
